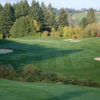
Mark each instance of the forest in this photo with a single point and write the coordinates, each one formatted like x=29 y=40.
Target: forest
x=20 y=19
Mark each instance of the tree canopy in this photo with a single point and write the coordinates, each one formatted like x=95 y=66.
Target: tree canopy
x=91 y=16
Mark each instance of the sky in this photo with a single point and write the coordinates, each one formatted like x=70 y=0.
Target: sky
x=76 y=4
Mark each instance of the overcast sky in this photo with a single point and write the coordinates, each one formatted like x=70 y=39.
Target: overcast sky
x=77 y=4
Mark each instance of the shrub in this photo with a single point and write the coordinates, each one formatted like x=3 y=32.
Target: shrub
x=68 y=31
x=39 y=34
x=55 y=34
x=50 y=77
x=60 y=30
x=77 y=31
x=45 y=34
x=52 y=34
x=91 y=30
x=60 y=78
x=31 y=73
x=98 y=35
x=53 y=29
x=7 y=71
x=2 y=71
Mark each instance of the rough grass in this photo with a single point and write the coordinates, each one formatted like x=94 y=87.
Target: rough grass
x=10 y=90
x=55 y=55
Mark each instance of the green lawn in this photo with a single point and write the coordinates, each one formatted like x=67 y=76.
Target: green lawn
x=10 y=90
x=55 y=55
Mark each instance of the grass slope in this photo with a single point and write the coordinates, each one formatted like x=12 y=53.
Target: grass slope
x=80 y=16
x=10 y=90
x=55 y=55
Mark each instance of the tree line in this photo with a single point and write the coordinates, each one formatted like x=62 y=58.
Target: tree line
x=20 y=20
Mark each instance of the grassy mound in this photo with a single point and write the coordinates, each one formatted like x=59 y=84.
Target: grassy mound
x=10 y=90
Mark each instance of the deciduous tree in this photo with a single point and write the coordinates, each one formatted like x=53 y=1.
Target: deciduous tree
x=84 y=22
x=91 y=16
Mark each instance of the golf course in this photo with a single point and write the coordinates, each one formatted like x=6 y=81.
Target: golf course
x=49 y=50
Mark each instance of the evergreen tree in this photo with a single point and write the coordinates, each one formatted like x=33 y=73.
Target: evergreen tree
x=6 y=20
x=41 y=17
x=21 y=9
x=17 y=12
x=24 y=7
x=63 y=18
x=91 y=16
x=0 y=14
x=84 y=22
x=36 y=12
x=52 y=17
x=45 y=17
x=1 y=7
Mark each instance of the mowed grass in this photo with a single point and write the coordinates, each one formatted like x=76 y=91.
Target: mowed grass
x=55 y=55
x=10 y=90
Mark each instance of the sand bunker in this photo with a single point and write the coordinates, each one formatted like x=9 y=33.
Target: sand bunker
x=75 y=41
x=5 y=51
x=98 y=59
x=71 y=40
x=68 y=39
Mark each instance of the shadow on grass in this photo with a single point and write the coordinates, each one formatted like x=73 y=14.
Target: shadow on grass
x=30 y=54
x=67 y=96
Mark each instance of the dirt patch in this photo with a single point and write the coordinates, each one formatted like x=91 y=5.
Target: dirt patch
x=5 y=51
x=98 y=58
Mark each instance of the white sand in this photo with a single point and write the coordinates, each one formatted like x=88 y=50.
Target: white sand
x=98 y=59
x=5 y=51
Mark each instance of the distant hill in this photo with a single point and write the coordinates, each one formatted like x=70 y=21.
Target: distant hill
x=75 y=16
x=80 y=16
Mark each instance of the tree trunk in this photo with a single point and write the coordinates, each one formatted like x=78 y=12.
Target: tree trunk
x=4 y=37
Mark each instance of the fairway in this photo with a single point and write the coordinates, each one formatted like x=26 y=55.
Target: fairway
x=55 y=55
x=10 y=90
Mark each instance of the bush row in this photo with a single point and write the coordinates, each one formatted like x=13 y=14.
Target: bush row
x=33 y=74
x=91 y=30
